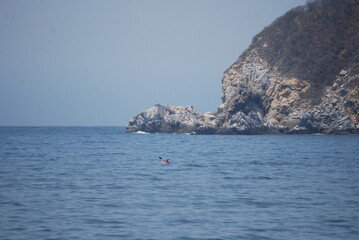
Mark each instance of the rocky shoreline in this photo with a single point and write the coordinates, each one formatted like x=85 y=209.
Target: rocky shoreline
x=173 y=119
x=286 y=82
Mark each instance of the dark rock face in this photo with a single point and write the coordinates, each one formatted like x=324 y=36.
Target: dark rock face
x=299 y=75
x=338 y=111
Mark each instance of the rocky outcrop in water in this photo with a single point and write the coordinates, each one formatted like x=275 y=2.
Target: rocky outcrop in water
x=173 y=119
x=299 y=75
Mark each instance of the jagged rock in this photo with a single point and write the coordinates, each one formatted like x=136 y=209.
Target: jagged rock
x=343 y=73
x=293 y=78
x=173 y=119
x=338 y=112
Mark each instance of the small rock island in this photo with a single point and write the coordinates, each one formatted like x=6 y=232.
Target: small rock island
x=299 y=75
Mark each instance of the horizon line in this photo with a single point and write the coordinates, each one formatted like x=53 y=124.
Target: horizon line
x=62 y=126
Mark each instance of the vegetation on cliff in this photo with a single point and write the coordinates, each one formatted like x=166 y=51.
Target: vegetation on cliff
x=313 y=42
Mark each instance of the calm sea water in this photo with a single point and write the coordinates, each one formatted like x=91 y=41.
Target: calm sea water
x=101 y=183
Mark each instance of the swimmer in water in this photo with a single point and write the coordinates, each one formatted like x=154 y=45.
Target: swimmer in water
x=167 y=161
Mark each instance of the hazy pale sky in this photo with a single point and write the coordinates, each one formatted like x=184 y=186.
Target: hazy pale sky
x=98 y=63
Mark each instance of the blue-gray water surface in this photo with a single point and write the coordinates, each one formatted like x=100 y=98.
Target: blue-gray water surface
x=101 y=183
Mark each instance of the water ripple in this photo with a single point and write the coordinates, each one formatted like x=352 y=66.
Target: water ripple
x=100 y=183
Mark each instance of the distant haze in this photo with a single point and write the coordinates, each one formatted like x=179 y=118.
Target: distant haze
x=98 y=63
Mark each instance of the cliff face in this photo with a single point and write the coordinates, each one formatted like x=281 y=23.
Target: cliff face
x=299 y=75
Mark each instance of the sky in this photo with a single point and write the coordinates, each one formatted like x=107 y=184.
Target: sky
x=99 y=63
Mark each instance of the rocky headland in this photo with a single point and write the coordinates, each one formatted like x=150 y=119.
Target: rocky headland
x=299 y=75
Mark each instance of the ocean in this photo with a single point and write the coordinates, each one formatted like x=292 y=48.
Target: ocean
x=102 y=183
